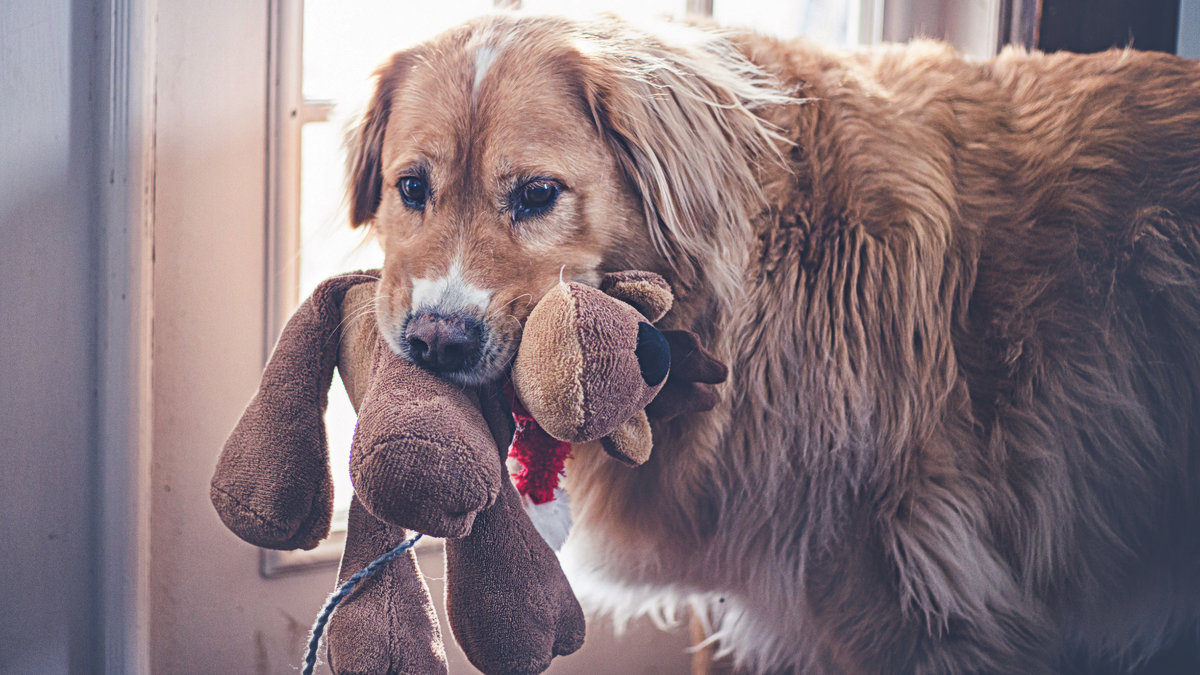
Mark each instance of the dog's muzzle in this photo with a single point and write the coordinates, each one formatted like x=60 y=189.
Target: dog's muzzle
x=443 y=343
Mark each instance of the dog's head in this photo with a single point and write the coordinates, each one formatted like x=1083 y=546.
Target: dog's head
x=512 y=152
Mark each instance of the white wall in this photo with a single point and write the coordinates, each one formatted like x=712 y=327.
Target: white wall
x=48 y=189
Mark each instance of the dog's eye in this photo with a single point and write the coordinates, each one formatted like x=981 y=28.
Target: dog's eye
x=535 y=198
x=413 y=192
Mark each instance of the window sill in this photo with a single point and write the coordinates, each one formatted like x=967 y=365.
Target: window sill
x=328 y=553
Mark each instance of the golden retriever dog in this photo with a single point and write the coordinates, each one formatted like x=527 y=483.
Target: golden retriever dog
x=960 y=302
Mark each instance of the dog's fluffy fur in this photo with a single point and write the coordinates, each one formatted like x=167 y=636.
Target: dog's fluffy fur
x=960 y=300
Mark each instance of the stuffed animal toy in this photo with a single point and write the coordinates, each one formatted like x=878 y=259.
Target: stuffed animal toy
x=428 y=456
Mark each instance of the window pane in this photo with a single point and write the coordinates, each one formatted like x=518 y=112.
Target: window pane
x=344 y=40
x=825 y=21
x=629 y=8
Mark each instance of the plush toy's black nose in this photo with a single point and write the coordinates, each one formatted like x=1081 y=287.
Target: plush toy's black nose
x=653 y=354
x=443 y=343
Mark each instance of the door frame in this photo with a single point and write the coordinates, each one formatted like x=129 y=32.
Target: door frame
x=126 y=75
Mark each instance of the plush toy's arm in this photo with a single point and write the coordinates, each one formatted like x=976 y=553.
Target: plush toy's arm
x=272 y=485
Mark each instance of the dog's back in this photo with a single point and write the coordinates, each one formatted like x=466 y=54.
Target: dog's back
x=964 y=425
x=1079 y=341
x=1045 y=210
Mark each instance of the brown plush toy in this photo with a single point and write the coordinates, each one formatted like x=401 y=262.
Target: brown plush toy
x=590 y=366
x=428 y=456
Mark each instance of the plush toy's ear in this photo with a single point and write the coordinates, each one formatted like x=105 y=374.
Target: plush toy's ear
x=272 y=484
x=649 y=293
x=631 y=442
x=691 y=386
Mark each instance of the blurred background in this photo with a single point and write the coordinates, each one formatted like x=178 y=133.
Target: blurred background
x=172 y=185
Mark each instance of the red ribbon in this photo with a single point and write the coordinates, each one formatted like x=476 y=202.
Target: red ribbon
x=541 y=456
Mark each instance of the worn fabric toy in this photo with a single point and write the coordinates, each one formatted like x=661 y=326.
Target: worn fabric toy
x=427 y=456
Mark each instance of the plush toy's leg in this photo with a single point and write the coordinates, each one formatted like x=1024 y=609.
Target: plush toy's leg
x=272 y=485
x=422 y=457
x=510 y=606
x=387 y=625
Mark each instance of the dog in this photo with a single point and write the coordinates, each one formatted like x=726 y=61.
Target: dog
x=960 y=302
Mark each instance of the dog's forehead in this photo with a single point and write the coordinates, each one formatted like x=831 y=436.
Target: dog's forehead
x=497 y=89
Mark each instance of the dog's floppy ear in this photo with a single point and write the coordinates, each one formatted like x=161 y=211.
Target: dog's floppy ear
x=364 y=161
x=681 y=122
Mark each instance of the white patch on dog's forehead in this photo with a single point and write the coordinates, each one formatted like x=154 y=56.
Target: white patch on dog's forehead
x=449 y=293
x=485 y=56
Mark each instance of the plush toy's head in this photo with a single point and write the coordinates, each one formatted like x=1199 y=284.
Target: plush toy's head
x=588 y=362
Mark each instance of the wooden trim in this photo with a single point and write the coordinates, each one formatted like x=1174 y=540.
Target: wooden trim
x=1188 y=39
x=127 y=80
x=285 y=98
x=1019 y=21
x=971 y=27
x=281 y=224
x=328 y=553
x=868 y=21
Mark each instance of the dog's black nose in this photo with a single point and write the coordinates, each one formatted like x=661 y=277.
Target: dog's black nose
x=443 y=343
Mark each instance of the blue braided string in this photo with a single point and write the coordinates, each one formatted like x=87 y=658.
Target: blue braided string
x=310 y=656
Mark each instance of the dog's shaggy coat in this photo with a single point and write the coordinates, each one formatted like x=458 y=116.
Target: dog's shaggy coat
x=960 y=301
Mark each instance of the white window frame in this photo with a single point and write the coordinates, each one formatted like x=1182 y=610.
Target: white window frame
x=287 y=113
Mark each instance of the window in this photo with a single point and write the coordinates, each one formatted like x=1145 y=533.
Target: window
x=323 y=53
